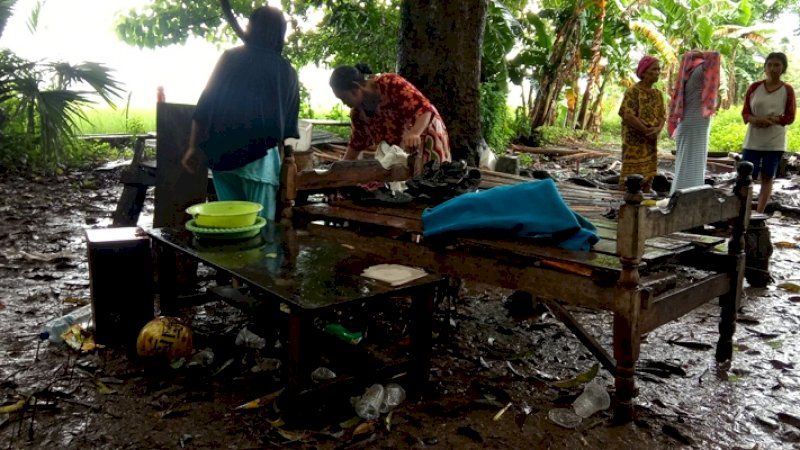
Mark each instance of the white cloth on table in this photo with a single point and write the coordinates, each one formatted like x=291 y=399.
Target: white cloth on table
x=388 y=156
x=394 y=274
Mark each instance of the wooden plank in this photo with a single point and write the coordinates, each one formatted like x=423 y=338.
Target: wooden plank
x=176 y=189
x=323 y=211
x=690 y=208
x=600 y=265
x=677 y=303
x=349 y=173
x=506 y=271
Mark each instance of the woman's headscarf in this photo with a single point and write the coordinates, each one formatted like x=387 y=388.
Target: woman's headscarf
x=644 y=64
x=708 y=100
x=266 y=28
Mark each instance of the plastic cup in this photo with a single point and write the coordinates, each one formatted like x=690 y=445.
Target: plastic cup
x=369 y=405
x=594 y=398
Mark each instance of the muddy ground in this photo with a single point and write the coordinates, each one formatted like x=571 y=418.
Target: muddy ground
x=489 y=354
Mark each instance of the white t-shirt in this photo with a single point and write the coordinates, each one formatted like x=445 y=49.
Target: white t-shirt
x=761 y=102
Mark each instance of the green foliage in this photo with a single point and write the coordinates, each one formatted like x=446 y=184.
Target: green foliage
x=556 y=135
x=350 y=33
x=166 y=22
x=111 y=121
x=727 y=130
x=495 y=119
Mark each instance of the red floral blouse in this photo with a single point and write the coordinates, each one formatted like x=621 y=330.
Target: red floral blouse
x=401 y=104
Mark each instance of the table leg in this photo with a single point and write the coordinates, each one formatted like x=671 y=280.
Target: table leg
x=728 y=304
x=167 y=274
x=626 y=353
x=421 y=335
x=300 y=325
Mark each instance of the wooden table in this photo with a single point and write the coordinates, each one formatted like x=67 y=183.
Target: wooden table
x=626 y=273
x=309 y=273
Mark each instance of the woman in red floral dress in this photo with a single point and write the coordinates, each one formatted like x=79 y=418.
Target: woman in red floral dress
x=388 y=108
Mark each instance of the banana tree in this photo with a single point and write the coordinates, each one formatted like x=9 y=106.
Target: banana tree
x=561 y=64
x=594 y=66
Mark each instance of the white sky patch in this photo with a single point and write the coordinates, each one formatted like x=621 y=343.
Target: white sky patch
x=75 y=31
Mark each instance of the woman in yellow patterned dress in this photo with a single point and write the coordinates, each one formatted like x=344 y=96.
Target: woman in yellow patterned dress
x=643 y=115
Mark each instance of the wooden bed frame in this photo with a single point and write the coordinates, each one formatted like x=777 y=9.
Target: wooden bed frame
x=616 y=278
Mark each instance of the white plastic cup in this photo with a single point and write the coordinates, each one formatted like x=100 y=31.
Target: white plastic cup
x=369 y=405
x=395 y=394
x=593 y=399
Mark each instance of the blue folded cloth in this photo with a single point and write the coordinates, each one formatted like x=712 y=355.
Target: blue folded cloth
x=530 y=210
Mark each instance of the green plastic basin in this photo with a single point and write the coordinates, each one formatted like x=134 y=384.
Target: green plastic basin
x=225 y=214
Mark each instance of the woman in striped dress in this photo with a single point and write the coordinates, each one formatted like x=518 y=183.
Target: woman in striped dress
x=693 y=102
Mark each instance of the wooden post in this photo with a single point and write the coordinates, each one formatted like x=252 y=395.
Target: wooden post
x=630 y=247
x=730 y=301
x=288 y=188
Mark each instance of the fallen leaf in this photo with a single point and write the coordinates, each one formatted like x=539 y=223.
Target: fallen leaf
x=789 y=419
x=102 y=388
x=780 y=365
x=501 y=412
x=261 y=401
x=583 y=378
x=694 y=345
x=791 y=287
x=677 y=434
x=292 y=436
x=12 y=407
x=350 y=423
x=364 y=428
x=785 y=244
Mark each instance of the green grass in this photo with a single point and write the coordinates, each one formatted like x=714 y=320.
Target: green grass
x=113 y=121
x=727 y=128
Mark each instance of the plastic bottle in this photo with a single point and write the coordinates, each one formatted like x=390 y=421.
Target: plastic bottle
x=56 y=327
x=343 y=333
x=160 y=97
x=368 y=406
x=395 y=394
x=594 y=398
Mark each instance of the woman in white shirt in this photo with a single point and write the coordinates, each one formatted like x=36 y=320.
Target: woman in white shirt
x=769 y=106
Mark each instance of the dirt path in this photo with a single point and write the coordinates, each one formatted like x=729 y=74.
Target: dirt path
x=484 y=360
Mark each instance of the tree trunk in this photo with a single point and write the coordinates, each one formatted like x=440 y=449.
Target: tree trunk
x=594 y=69
x=732 y=94
x=596 y=114
x=559 y=68
x=439 y=51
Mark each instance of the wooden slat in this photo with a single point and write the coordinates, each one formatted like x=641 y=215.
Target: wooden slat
x=693 y=207
x=349 y=173
x=507 y=270
x=677 y=303
x=322 y=211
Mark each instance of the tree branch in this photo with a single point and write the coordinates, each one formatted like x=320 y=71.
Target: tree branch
x=227 y=12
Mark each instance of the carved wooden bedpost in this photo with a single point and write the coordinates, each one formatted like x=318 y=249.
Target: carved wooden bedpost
x=630 y=247
x=288 y=188
x=730 y=301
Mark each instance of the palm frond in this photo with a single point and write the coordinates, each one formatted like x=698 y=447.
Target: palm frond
x=6 y=11
x=58 y=112
x=96 y=75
